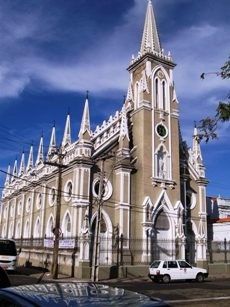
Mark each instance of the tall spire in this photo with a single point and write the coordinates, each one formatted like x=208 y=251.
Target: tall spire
x=124 y=131
x=40 y=156
x=30 y=162
x=85 y=122
x=15 y=171
x=52 y=145
x=150 y=39
x=22 y=165
x=67 y=133
x=8 y=175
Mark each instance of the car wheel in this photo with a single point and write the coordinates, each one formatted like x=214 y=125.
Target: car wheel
x=200 y=277
x=166 y=279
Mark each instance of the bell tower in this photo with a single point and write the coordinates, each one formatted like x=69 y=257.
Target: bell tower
x=155 y=128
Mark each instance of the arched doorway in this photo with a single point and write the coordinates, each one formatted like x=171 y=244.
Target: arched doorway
x=162 y=246
x=105 y=239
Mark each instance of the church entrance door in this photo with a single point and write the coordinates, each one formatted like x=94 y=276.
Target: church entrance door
x=162 y=245
x=105 y=251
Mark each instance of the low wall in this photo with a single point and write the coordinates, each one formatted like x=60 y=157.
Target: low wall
x=218 y=268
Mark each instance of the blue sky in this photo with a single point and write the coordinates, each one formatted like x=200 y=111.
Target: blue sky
x=52 y=51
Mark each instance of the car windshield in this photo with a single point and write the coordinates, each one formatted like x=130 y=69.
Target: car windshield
x=155 y=264
x=8 y=248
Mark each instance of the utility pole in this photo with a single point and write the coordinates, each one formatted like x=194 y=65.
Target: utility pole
x=95 y=269
x=56 y=230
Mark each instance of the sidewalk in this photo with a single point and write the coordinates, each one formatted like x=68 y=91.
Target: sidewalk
x=45 y=275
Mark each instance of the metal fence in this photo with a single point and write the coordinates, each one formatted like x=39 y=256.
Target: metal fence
x=218 y=251
x=121 y=251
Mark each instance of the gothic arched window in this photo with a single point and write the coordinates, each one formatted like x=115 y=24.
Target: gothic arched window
x=28 y=205
x=137 y=95
x=67 y=225
x=163 y=96
x=26 y=229
x=11 y=230
x=18 y=228
x=156 y=93
x=50 y=227
x=39 y=200
x=4 y=231
x=37 y=229
x=20 y=207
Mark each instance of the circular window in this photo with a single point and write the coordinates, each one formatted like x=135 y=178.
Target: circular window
x=28 y=204
x=106 y=189
x=52 y=196
x=68 y=190
x=39 y=201
x=160 y=74
x=161 y=130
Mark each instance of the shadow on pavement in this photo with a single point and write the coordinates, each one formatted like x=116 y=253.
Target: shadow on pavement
x=22 y=270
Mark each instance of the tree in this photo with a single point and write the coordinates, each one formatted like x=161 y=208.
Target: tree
x=208 y=125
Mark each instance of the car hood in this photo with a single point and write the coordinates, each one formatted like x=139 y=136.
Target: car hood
x=78 y=294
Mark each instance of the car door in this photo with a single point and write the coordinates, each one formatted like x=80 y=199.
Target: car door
x=186 y=271
x=173 y=270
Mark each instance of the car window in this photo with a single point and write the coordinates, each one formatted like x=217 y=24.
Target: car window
x=184 y=264
x=155 y=264
x=172 y=265
x=165 y=265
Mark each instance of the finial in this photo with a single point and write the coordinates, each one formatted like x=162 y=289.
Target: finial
x=195 y=124
x=68 y=111
x=54 y=123
x=87 y=94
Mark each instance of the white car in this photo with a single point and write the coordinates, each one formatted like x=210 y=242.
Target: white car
x=168 y=270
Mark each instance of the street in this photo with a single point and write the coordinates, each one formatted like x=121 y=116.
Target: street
x=212 y=292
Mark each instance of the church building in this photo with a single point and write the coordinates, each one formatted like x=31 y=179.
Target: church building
x=131 y=189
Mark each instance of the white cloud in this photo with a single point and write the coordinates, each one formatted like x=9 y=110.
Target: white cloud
x=11 y=82
x=101 y=66
x=200 y=49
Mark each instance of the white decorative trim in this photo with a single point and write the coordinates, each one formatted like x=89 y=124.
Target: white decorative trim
x=108 y=188
x=68 y=197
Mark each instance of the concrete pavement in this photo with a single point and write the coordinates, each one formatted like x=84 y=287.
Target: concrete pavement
x=45 y=275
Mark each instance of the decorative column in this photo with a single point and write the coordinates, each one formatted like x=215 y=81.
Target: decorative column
x=123 y=170
x=82 y=179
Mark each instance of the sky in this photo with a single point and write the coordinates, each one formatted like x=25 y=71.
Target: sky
x=53 y=51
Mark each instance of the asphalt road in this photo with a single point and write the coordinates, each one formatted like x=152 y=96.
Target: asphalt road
x=212 y=292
